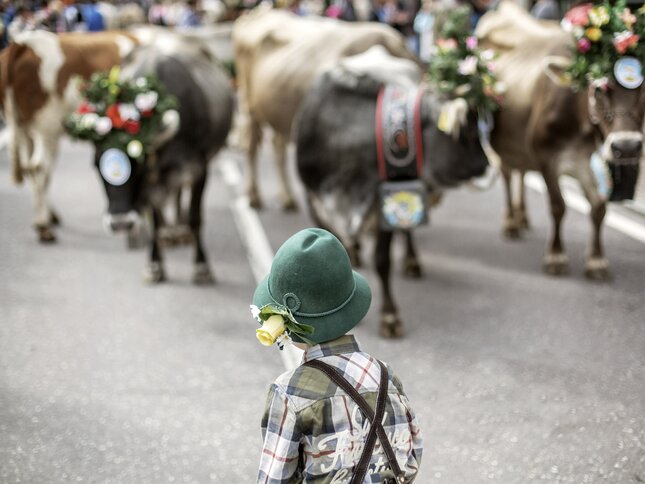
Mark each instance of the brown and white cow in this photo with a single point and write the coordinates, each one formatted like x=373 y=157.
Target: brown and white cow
x=37 y=90
x=277 y=57
x=548 y=127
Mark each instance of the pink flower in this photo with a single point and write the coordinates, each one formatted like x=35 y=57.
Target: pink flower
x=579 y=15
x=584 y=45
x=624 y=41
x=471 y=42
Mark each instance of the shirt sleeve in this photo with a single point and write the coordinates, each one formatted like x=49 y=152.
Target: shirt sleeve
x=280 y=451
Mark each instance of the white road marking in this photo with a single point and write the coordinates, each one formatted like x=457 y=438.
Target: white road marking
x=578 y=202
x=254 y=238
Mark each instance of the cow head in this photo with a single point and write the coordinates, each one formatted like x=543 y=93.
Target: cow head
x=618 y=113
x=128 y=178
x=457 y=154
x=616 y=109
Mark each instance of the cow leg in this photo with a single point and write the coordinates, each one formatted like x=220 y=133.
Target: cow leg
x=255 y=138
x=280 y=152
x=202 y=274
x=390 y=325
x=154 y=273
x=555 y=261
x=510 y=229
x=411 y=266
x=522 y=218
x=596 y=265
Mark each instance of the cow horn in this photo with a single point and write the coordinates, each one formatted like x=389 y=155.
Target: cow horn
x=554 y=67
x=453 y=116
x=170 y=122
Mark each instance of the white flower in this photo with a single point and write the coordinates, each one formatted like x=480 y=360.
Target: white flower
x=487 y=55
x=146 y=101
x=129 y=112
x=134 y=148
x=89 y=120
x=141 y=82
x=103 y=126
x=255 y=312
x=468 y=66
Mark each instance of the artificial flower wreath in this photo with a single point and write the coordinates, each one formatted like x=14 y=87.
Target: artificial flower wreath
x=610 y=43
x=126 y=115
x=461 y=69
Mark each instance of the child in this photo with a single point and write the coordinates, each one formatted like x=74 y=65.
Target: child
x=317 y=421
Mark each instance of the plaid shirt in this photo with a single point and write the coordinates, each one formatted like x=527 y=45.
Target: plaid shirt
x=314 y=432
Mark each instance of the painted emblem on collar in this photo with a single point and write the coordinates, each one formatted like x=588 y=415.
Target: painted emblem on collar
x=115 y=167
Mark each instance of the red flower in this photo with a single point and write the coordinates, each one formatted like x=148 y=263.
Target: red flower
x=579 y=15
x=146 y=114
x=112 y=112
x=624 y=41
x=85 y=108
x=132 y=127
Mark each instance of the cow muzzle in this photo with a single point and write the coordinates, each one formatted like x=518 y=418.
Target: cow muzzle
x=623 y=147
x=120 y=222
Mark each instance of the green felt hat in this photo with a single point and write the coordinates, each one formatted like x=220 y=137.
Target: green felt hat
x=311 y=276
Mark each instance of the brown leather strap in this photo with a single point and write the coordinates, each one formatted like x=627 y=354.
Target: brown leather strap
x=374 y=417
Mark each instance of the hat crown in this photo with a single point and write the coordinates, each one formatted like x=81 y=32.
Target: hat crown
x=311 y=273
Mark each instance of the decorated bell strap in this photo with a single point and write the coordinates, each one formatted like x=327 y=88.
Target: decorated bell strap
x=399 y=142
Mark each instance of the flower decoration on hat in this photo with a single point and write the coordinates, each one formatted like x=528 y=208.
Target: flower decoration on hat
x=461 y=69
x=126 y=115
x=278 y=323
x=605 y=35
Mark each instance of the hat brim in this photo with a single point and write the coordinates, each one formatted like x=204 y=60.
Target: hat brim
x=330 y=326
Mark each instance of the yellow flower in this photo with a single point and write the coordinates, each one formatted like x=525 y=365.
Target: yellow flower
x=593 y=34
x=271 y=329
x=642 y=9
x=599 y=16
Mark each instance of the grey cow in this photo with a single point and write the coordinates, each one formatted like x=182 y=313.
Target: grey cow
x=183 y=148
x=336 y=158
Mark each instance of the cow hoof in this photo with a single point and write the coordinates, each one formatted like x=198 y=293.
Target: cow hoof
x=411 y=268
x=154 y=273
x=391 y=326
x=355 y=258
x=597 y=269
x=55 y=219
x=556 y=264
x=523 y=223
x=255 y=202
x=45 y=235
x=289 y=206
x=203 y=275
x=512 y=231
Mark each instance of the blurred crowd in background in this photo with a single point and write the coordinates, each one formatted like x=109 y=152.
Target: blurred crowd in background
x=413 y=18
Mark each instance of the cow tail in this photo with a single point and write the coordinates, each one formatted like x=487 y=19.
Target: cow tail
x=11 y=111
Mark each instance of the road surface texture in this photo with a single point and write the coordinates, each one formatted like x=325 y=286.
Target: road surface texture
x=516 y=377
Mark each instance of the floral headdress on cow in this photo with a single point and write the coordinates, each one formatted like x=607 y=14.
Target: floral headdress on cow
x=610 y=44
x=126 y=115
x=461 y=69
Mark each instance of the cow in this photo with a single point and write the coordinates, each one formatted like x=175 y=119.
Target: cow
x=182 y=149
x=277 y=56
x=37 y=90
x=550 y=128
x=336 y=157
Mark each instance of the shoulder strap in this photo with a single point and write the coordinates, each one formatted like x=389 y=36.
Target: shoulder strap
x=375 y=418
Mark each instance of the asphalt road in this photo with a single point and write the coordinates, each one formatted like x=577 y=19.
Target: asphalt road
x=516 y=377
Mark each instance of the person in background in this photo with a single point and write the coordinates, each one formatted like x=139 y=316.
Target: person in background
x=424 y=27
x=72 y=18
x=546 y=10
x=23 y=21
x=190 y=16
x=93 y=18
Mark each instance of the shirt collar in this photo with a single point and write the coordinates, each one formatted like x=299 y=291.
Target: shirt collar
x=342 y=345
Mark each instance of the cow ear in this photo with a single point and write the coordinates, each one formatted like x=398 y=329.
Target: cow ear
x=555 y=69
